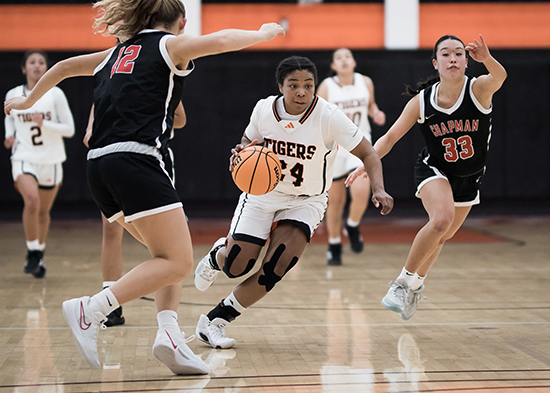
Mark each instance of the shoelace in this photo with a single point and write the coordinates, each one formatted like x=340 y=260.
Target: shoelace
x=217 y=331
x=400 y=286
x=208 y=273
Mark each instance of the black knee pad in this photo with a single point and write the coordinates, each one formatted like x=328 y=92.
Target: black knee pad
x=230 y=258
x=269 y=278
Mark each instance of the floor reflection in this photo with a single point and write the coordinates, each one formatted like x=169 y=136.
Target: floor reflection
x=39 y=366
x=406 y=378
x=348 y=364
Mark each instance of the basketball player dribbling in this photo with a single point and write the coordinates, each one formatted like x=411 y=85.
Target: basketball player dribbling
x=303 y=130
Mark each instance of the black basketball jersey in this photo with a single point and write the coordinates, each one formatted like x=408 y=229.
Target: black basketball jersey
x=457 y=138
x=137 y=89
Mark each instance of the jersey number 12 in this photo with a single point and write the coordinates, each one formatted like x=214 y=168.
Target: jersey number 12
x=125 y=64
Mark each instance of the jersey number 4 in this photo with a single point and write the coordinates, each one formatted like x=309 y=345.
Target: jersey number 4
x=125 y=64
x=458 y=148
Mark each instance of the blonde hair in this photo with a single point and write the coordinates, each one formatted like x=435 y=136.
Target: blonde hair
x=125 y=18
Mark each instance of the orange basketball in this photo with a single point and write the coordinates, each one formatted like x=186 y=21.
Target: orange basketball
x=256 y=170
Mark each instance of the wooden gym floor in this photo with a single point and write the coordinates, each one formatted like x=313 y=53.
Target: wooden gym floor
x=483 y=327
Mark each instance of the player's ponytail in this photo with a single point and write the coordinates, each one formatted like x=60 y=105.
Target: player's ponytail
x=125 y=18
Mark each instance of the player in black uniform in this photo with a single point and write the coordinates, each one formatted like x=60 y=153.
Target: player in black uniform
x=112 y=233
x=138 y=85
x=454 y=113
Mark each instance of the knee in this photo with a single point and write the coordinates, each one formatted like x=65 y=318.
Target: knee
x=442 y=222
x=275 y=269
x=182 y=269
x=32 y=204
x=237 y=264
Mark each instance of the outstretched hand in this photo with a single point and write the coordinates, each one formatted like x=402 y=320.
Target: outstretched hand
x=478 y=50
x=15 y=103
x=236 y=150
x=359 y=172
x=272 y=30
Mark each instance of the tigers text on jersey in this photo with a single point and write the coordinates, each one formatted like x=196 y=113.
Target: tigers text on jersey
x=40 y=145
x=305 y=144
x=137 y=89
x=352 y=99
x=457 y=138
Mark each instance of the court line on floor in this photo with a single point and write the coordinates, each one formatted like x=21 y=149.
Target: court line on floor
x=403 y=324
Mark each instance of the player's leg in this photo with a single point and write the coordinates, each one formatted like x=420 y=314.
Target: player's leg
x=111 y=263
x=27 y=186
x=333 y=220
x=437 y=198
x=287 y=243
x=359 y=195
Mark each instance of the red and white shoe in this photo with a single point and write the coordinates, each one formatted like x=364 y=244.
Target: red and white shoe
x=171 y=349
x=85 y=325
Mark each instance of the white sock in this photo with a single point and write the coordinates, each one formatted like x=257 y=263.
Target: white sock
x=351 y=223
x=232 y=301
x=33 y=245
x=334 y=240
x=107 y=284
x=104 y=302
x=417 y=282
x=41 y=246
x=407 y=276
x=168 y=320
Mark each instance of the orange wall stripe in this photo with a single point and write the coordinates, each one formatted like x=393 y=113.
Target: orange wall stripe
x=50 y=27
x=503 y=25
x=320 y=26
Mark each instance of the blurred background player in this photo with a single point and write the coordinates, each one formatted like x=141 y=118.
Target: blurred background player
x=353 y=93
x=35 y=137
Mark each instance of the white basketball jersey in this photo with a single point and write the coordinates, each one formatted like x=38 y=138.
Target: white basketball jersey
x=353 y=100
x=305 y=144
x=40 y=145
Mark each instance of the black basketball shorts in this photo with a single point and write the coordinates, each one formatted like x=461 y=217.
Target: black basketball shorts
x=131 y=184
x=465 y=189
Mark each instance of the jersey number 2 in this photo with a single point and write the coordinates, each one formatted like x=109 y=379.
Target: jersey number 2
x=452 y=153
x=125 y=65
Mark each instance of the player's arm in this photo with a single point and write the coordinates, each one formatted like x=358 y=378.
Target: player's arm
x=402 y=125
x=185 y=47
x=373 y=167
x=65 y=122
x=89 y=127
x=486 y=85
x=180 y=117
x=9 y=126
x=373 y=111
x=83 y=65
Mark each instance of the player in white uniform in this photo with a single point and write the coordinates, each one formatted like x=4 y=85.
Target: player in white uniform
x=353 y=93
x=303 y=130
x=35 y=136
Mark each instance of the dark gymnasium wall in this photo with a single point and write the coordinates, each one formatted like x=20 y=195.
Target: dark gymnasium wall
x=220 y=94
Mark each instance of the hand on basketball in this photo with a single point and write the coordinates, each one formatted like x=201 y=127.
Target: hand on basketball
x=15 y=103
x=384 y=199
x=478 y=50
x=359 y=172
x=235 y=152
